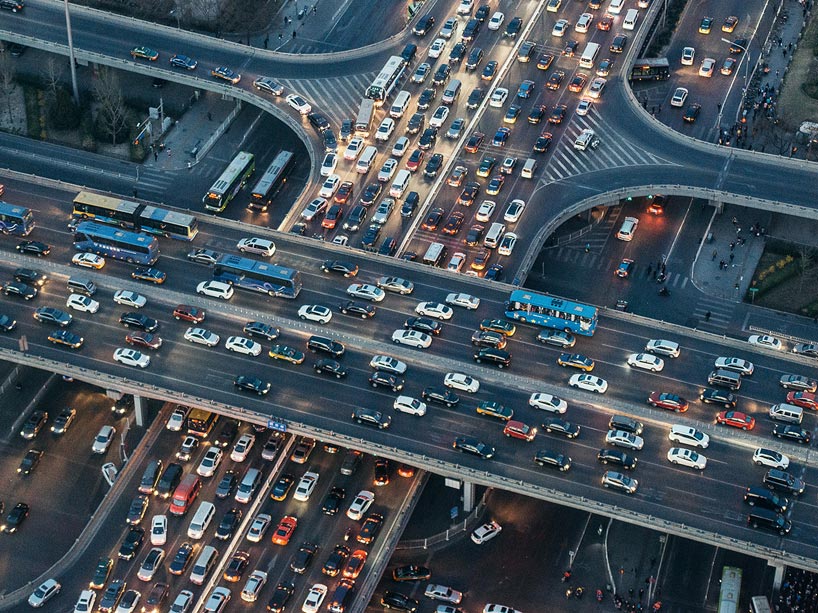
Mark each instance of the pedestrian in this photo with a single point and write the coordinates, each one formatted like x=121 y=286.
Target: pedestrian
x=280 y=36
x=155 y=155
x=314 y=9
x=738 y=230
x=721 y=264
x=777 y=72
x=641 y=593
x=653 y=110
x=135 y=193
x=168 y=151
x=789 y=46
x=732 y=246
x=587 y=247
x=285 y=20
x=209 y=116
x=735 y=220
x=707 y=316
x=732 y=255
x=650 y=270
x=266 y=41
x=715 y=253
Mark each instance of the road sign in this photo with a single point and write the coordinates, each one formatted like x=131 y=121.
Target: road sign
x=454 y=512
x=277 y=425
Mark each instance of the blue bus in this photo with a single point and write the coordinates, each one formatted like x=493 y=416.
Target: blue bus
x=258 y=276
x=107 y=241
x=15 y=219
x=551 y=312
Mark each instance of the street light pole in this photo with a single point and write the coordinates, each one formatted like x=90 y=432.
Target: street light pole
x=71 y=60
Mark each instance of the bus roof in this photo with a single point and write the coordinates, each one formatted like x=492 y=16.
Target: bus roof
x=125 y=206
x=652 y=61
x=247 y=265
x=104 y=231
x=236 y=167
x=272 y=173
x=581 y=310
x=170 y=217
x=7 y=207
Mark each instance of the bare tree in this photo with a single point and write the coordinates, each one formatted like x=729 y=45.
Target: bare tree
x=111 y=110
x=52 y=74
x=7 y=78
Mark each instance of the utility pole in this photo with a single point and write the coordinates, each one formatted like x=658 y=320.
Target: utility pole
x=71 y=60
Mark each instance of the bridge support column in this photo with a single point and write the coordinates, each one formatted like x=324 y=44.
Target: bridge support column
x=778 y=578
x=139 y=410
x=468 y=496
x=719 y=206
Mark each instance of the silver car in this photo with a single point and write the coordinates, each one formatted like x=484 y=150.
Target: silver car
x=383 y=212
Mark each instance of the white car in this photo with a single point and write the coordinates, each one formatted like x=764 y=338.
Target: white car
x=44 y=592
x=340 y=239
x=305 y=486
x=259 y=246
x=354 y=149
x=439 y=117
x=560 y=28
x=679 y=97
x=437 y=48
x=82 y=303
x=315 y=207
x=496 y=21
x=597 y=85
x=242 y=447
x=646 y=361
x=547 y=402
x=498 y=97
x=465 y=7
x=387 y=364
x=498 y=608
x=486 y=532
x=408 y=404
x=85 y=603
x=584 y=22
x=688 y=53
x=88 y=260
x=514 y=210
x=245 y=346
x=768 y=457
x=210 y=462
x=686 y=457
x=385 y=129
x=200 y=336
x=688 y=436
x=485 y=210
x=315 y=312
x=299 y=104
x=215 y=289
x=253 y=585
x=590 y=383
x=584 y=106
x=328 y=189
x=183 y=602
x=765 y=340
x=366 y=291
x=459 y=381
x=176 y=421
x=662 y=347
x=129 y=298
x=329 y=164
x=467 y=301
x=421 y=72
x=507 y=243
x=400 y=147
x=449 y=28
x=259 y=526
x=456 y=262
x=621 y=438
x=707 y=67
x=434 y=309
x=412 y=338
x=217 y=600
x=387 y=170
x=131 y=357
x=314 y=599
x=360 y=505
x=159 y=530
x=738 y=365
x=444 y=593
x=103 y=439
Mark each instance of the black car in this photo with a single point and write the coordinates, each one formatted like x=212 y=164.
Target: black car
x=411 y=572
x=111 y=596
x=617 y=456
x=692 y=112
x=281 y=594
x=427 y=139
x=738 y=46
x=389 y=246
x=782 y=481
x=64 y=420
x=131 y=543
x=347 y=127
x=318 y=121
x=385 y=379
x=330 y=367
x=618 y=44
x=475 y=56
x=15 y=518
x=303 y=557
x=474 y=446
x=410 y=204
x=257 y=328
x=552 y=459
x=399 y=602
x=424 y=25
x=336 y=560
x=333 y=501
x=101 y=572
x=365 y=311
x=560 y=426
x=226 y=485
x=537 y=113
x=423 y=324
x=425 y=100
x=368 y=198
x=7 y=323
x=330 y=142
x=64 y=337
x=30 y=276
x=29 y=462
x=227 y=526
x=252 y=384
x=140 y=321
x=409 y=51
x=720 y=397
x=370 y=528
x=203 y=256
x=513 y=28
x=370 y=237
x=543 y=142
x=52 y=315
x=371 y=417
x=433 y=165
x=482 y=12
x=325 y=345
x=33 y=425
x=137 y=509
x=34 y=248
x=442 y=74
x=227 y=434
x=475 y=98
x=457 y=53
x=499 y=357
x=382 y=471
x=494 y=272
x=440 y=395
x=474 y=235
x=792 y=433
x=17 y=288
x=355 y=218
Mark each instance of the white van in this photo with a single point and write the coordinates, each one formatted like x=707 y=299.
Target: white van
x=787 y=413
x=529 y=168
x=202 y=519
x=628 y=229
x=630 y=19
x=589 y=55
x=366 y=159
x=615 y=7
x=495 y=235
x=587 y=138
x=400 y=183
x=204 y=564
x=451 y=92
x=399 y=105
x=248 y=486
x=435 y=254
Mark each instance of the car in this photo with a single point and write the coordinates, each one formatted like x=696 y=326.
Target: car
x=491 y=355
x=506 y=246
x=210 y=462
x=315 y=598
x=372 y=417
x=242 y=447
x=686 y=457
x=421 y=72
x=387 y=364
x=273 y=445
x=256 y=245
x=64 y=420
x=495 y=185
x=127 y=604
x=806 y=400
x=520 y=430
x=622 y=438
x=743 y=367
x=669 y=401
x=151 y=275
x=444 y=593
x=557 y=425
x=44 y=592
x=217 y=600
x=423 y=324
x=385 y=129
x=646 y=361
x=282 y=487
x=305 y=486
x=145 y=53
x=500 y=137
x=315 y=207
x=513 y=28
x=360 y=505
x=188 y=447
x=433 y=165
x=33 y=424
x=688 y=436
x=576 y=360
x=461 y=382
x=597 y=85
x=484 y=533
x=412 y=338
x=577 y=83
x=395 y=284
x=437 y=47
x=202 y=336
x=130 y=544
x=496 y=21
x=449 y=28
x=770 y=458
x=793 y=433
x=679 y=97
x=64 y=337
x=316 y=313
x=328 y=189
x=151 y=563
x=728 y=66
x=85 y=602
x=332 y=503
x=618 y=481
x=781 y=481
x=736 y=419
x=131 y=357
x=457 y=176
x=52 y=315
x=558 y=114
x=494 y=409
x=434 y=309
x=498 y=97
x=29 y=462
x=226 y=74
x=547 y=402
x=798 y=382
x=466 y=301
x=242 y=345
x=353 y=149
x=251 y=383
x=625 y=268
x=705 y=25
x=570 y=48
x=15 y=518
x=721 y=397
x=411 y=572
x=200 y=256
x=255 y=582
x=729 y=24
x=473 y=237
x=441 y=74
x=543 y=142
x=372 y=525
x=584 y=106
x=473 y=446
x=617 y=456
x=268 y=85
x=283 y=533
x=281 y=595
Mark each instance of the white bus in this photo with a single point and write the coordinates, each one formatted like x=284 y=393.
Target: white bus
x=589 y=55
x=364 y=118
x=386 y=80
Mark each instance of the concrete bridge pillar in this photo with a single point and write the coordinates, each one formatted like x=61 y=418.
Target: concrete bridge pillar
x=778 y=578
x=468 y=496
x=719 y=206
x=139 y=410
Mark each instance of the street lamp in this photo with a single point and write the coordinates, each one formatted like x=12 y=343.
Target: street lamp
x=746 y=71
x=71 y=60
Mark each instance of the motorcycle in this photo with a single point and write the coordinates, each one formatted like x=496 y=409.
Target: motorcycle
x=599 y=595
x=348 y=534
x=579 y=592
x=568 y=593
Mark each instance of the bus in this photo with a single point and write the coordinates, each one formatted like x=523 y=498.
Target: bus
x=730 y=590
x=651 y=69
x=132 y=247
x=551 y=312
x=258 y=276
x=760 y=604
x=135 y=216
x=271 y=182
x=201 y=422
x=232 y=180
x=15 y=219
x=386 y=80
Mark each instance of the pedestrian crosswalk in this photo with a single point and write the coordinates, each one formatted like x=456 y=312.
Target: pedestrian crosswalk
x=714 y=314
x=337 y=97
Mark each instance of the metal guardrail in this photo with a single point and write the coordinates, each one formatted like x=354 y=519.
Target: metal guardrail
x=445 y=536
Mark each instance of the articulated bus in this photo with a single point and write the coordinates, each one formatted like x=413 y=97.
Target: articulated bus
x=730 y=590
x=271 y=182
x=651 y=69
x=201 y=422
x=16 y=220
x=552 y=312
x=132 y=247
x=386 y=80
x=256 y=276
x=135 y=216
x=232 y=180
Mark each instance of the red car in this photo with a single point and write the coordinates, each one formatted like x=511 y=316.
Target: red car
x=285 y=530
x=185 y=312
x=803 y=399
x=671 y=402
x=605 y=23
x=344 y=192
x=332 y=216
x=140 y=338
x=355 y=564
x=736 y=419
x=414 y=161
x=474 y=142
x=517 y=429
